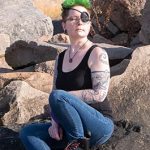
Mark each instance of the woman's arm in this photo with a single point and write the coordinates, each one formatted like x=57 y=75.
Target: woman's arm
x=55 y=73
x=100 y=76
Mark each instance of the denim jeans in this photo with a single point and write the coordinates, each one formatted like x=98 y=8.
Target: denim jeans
x=75 y=117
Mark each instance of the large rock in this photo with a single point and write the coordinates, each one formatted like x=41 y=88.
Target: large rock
x=100 y=39
x=120 y=16
x=47 y=67
x=144 y=34
x=20 y=103
x=130 y=92
x=51 y=8
x=119 y=68
x=4 y=67
x=22 y=54
x=21 y=21
x=126 y=14
x=4 y=43
x=39 y=81
x=127 y=138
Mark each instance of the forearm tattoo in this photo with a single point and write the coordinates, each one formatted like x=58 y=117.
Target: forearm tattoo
x=100 y=80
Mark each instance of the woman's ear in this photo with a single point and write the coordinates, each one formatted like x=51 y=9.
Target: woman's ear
x=64 y=27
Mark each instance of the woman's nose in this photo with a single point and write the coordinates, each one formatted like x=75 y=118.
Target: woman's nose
x=79 y=21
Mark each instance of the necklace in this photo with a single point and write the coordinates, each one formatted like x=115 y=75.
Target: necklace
x=71 y=58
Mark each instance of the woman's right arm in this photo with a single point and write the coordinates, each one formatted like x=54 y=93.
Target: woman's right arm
x=55 y=73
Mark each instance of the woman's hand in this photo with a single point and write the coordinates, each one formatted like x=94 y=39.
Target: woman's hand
x=55 y=131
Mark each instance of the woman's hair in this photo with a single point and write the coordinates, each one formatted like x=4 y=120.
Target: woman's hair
x=67 y=4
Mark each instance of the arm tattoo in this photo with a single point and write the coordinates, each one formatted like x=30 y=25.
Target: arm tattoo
x=100 y=80
x=87 y=96
x=103 y=57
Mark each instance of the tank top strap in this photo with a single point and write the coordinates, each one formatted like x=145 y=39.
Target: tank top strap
x=87 y=55
x=83 y=62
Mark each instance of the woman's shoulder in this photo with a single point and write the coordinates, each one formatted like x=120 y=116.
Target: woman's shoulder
x=97 y=56
x=61 y=54
x=97 y=51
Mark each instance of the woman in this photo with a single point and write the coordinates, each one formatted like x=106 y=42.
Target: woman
x=78 y=101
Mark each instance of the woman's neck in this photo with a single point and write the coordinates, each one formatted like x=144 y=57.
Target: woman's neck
x=76 y=44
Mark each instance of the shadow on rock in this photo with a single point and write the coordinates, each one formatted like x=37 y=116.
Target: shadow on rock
x=22 y=54
x=9 y=139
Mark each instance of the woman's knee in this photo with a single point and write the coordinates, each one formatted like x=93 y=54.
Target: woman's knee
x=55 y=96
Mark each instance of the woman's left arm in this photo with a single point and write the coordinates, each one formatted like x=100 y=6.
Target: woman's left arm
x=100 y=75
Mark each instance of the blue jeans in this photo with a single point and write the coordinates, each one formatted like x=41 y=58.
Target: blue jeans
x=75 y=117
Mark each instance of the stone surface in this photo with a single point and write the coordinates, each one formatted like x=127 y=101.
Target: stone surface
x=100 y=39
x=129 y=92
x=4 y=43
x=47 y=67
x=51 y=8
x=144 y=34
x=4 y=67
x=21 y=21
x=22 y=54
x=20 y=103
x=121 y=39
x=60 y=38
x=115 y=51
x=119 y=68
x=126 y=14
x=40 y=81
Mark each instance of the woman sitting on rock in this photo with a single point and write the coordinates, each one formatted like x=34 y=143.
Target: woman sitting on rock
x=78 y=101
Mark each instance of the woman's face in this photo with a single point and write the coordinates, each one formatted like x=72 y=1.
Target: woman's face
x=75 y=27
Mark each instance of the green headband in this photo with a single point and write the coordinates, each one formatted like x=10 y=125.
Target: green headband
x=70 y=3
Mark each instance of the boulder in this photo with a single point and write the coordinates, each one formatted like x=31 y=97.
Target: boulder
x=126 y=14
x=60 y=38
x=119 y=68
x=4 y=43
x=47 y=67
x=121 y=39
x=129 y=92
x=118 y=16
x=39 y=81
x=144 y=34
x=21 y=21
x=19 y=103
x=22 y=54
x=51 y=8
x=4 y=67
x=100 y=39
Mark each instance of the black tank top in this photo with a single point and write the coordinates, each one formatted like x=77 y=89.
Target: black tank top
x=80 y=79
